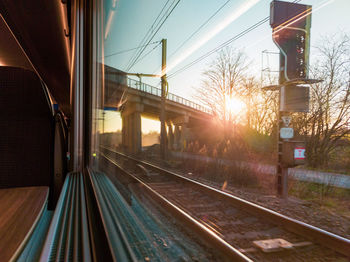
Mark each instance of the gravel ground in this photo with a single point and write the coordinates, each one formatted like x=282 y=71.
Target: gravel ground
x=239 y=228
x=306 y=211
x=235 y=233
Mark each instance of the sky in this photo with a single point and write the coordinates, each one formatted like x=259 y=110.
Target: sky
x=132 y=19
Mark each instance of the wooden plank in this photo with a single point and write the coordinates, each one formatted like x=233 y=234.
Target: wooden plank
x=20 y=209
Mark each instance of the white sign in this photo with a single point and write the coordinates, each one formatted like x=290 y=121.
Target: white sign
x=286 y=132
x=299 y=153
x=286 y=120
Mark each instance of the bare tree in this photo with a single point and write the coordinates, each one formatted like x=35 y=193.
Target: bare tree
x=223 y=80
x=262 y=106
x=329 y=116
x=228 y=77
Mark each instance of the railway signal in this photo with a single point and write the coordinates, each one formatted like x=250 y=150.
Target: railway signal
x=291 y=24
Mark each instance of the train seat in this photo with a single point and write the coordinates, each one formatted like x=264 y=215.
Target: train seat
x=26 y=130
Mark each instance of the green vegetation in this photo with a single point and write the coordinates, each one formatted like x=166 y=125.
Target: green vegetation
x=327 y=197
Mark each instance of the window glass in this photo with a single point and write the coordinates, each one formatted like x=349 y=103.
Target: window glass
x=237 y=77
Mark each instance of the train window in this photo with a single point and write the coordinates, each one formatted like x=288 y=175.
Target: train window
x=207 y=116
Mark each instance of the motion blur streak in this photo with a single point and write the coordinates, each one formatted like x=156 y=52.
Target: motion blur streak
x=244 y=7
x=110 y=18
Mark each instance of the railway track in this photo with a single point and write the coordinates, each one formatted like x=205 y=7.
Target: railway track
x=240 y=229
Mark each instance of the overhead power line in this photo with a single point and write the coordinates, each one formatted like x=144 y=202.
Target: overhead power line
x=158 y=26
x=200 y=27
x=221 y=46
x=144 y=39
x=244 y=32
x=159 y=42
x=131 y=49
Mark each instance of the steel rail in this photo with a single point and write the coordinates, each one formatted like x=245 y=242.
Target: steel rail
x=318 y=235
x=208 y=235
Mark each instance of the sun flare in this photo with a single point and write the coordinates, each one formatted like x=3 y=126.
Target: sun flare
x=234 y=105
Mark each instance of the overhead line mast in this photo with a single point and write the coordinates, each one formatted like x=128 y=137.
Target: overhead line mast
x=163 y=133
x=164 y=91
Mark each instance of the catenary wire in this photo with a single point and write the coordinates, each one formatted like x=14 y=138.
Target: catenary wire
x=131 y=49
x=221 y=46
x=144 y=39
x=156 y=31
x=149 y=52
x=200 y=27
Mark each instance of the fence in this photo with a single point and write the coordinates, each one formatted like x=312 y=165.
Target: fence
x=157 y=91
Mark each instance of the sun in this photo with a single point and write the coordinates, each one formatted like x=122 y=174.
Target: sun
x=234 y=105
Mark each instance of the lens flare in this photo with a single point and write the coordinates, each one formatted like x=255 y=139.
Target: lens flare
x=234 y=105
x=244 y=7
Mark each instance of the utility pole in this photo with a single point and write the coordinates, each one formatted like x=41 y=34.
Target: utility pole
x=163 y=133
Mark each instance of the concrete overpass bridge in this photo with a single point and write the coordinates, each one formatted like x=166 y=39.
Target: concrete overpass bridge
x=135 y=99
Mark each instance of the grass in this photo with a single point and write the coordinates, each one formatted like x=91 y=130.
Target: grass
x=239 y=175
x=324 y=196
x=330 y=198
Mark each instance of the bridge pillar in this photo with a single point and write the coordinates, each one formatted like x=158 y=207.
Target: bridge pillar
x=170 y=136
x=131 y=127
x=177 y=137
x=181 y=135
x=184 y=136
x=124 y=131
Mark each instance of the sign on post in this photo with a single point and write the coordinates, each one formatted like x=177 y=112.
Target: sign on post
x=286 y=133
x=299 y=153
x=286 y=120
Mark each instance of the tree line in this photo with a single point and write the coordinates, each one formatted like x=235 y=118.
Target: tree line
x=325 y=128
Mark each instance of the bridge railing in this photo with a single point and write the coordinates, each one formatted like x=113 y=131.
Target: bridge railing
x=158 y=92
